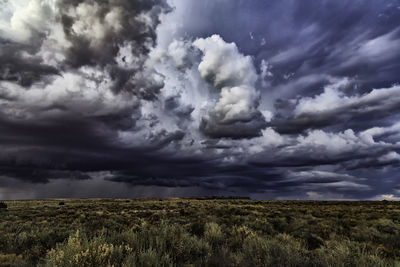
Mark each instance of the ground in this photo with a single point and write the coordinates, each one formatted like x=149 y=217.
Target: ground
x=199 y=232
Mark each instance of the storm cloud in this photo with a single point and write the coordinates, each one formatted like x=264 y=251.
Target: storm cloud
x=269 y=99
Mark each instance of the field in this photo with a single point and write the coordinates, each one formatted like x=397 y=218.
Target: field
x=198 y=232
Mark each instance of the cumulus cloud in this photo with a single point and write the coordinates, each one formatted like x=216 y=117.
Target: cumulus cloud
x=54 y=36
x=335 y=143
x=235 y=114
x=318 y=148
x=83 y=57
x=179 y=51
x=223 y=65
x=95 y=30
x=334 y=106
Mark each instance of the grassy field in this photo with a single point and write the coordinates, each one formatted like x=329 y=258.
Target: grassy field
x=198 y=232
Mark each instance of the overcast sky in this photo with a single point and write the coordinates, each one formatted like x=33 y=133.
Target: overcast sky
x=272 y=99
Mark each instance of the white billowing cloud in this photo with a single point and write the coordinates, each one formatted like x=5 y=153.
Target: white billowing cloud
x=393 y=130
x=28 y=17
x=315 y=144
x=178 y=50
x=84 y=32
x=390 y=157
x=86 y=93
x=379 y=99
x=234 y=74
x=184 y=98
x=333 y=99
x=268 y=115
x=35 y=23
x=223 y=65
x=268 y=139
x=236 y=104
x=89 y=24
x=317 y=147
x=377 y=131
x=334 y=143
x=271 y=137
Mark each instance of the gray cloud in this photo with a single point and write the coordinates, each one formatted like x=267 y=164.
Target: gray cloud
x=24 y=71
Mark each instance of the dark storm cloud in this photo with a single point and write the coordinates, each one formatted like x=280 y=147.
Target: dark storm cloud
x=42 y=133
x=173 y=104
x=272 y=99
x=115 y=23
x=94 y=33
x=238 y=130
x=201 y=174
x=37 y=54
x=22 y=70
x=34 y=174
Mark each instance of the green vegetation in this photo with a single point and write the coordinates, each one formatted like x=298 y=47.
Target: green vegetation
x=199 y=232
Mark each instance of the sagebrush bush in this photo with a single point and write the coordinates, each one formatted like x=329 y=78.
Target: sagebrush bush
x=347 y=253
x=81 y=251
x=11 y=260
x=213 y=233
x=285 y=250
x=255 y=251
x=148 y=258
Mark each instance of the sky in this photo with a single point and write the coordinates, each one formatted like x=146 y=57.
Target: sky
x=272 y=99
